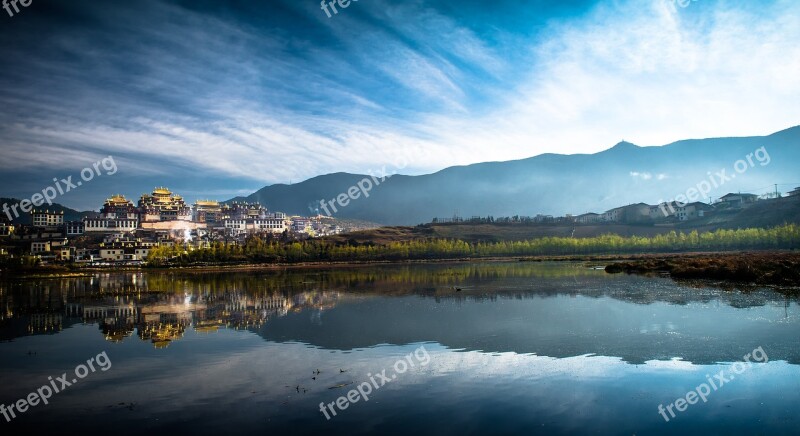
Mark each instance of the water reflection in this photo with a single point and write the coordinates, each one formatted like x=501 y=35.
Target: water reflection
x=559 y=310
x=522 y=348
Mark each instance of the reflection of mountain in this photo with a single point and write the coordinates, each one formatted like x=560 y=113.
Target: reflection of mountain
x=563 y=325
x=549 y=309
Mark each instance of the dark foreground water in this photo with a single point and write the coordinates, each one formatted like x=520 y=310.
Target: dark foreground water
x=522 y=348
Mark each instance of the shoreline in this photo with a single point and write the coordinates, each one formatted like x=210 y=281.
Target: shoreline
x=640 y=263
x=759 y=268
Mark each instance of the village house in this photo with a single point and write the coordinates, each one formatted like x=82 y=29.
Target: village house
x=739 y=200
x=692 y=211
x=588 y=218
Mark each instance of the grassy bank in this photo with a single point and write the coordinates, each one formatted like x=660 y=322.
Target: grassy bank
x=752 y=267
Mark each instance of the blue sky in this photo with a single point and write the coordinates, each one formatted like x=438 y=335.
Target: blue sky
x=217 y=99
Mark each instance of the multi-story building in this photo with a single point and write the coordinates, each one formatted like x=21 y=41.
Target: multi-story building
x=631 y=214
x=692 y=211
x=663 y=210
x=6 y=228
x=163 y=205
x=54 y=249
x=47 y=219
x=275 y=223
x=587 y=218
x=118 y=214
x=207 y=211
x=105 y=225
x=120 y=247
x=39 y=247
x=74 y=228
x=119 y=207
x=242 y=211
x=267 y=223
x=301 y=225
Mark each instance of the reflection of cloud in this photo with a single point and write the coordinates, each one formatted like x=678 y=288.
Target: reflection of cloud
x=674 y=364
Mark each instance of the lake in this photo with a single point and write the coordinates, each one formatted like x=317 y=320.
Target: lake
x=450 y=348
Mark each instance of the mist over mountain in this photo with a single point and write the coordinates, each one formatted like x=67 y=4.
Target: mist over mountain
x=554 y=184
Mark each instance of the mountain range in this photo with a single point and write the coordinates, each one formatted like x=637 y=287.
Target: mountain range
x=555 y=184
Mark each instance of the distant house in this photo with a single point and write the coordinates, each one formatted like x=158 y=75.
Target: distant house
x=795 y=193
x=612 y=215
x=587 y=218
x=739 y=200
x=663 y=210
x=40 y=247
x=112 y=254
x=6 y=228
x=692 y=211
x=631 y=214
x=636 y=213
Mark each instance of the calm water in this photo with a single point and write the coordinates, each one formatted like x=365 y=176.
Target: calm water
x=523 y=348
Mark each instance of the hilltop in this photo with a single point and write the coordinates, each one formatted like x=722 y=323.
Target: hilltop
x=553 y=184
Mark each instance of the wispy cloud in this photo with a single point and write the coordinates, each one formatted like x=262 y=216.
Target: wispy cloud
x=251 y=96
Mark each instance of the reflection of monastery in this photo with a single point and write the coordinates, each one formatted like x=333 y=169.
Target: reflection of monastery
x=121 y=310
x=165 y=318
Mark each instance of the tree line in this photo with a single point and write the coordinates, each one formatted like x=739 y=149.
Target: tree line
x=259 y=250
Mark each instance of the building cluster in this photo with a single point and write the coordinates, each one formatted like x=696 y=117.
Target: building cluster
x=129 y=231
x=667 y=212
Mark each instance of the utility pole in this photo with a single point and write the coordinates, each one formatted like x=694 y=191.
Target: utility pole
x=776 y=190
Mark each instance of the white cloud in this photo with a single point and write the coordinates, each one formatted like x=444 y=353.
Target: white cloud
x=643 y=176
x=646 y=73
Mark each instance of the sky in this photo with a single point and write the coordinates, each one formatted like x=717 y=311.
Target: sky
x=219 y=99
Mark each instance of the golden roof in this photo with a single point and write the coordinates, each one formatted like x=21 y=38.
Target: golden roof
x=161 y=191
x=207 y=203
x=119 y=198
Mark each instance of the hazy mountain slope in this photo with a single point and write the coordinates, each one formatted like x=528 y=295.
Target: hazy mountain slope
x=69 y=214
x=554 y=184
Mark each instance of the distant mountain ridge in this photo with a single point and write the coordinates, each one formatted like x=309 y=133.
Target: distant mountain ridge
x=552 y=184
x=25 y=218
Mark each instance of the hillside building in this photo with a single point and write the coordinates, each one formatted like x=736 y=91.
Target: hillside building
x=588 y=218
x=692 y=211
x=631 y=214
x=207 y=211
x=739 y=200
x=47 y=219
x=118 y=214
x=163 y=205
